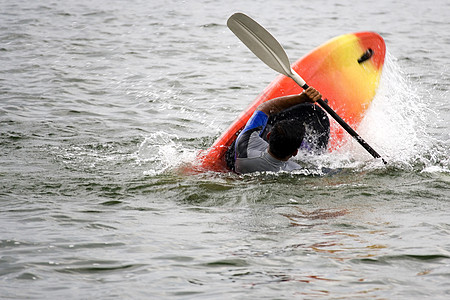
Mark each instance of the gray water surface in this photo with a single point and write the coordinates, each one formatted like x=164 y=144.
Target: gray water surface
x=101 y=102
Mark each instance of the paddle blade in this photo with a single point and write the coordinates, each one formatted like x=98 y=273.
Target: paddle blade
x=260 y=42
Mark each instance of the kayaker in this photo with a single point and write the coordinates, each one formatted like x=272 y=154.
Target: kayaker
x=277 y=130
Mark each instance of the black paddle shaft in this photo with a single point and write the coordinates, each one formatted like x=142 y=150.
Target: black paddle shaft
x=347 y=128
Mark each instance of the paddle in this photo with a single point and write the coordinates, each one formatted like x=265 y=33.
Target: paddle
x=269 y=50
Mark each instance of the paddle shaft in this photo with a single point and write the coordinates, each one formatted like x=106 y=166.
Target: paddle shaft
x=294 y=76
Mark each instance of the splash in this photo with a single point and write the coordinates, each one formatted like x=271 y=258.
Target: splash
x=162 y=151
x=397 y=124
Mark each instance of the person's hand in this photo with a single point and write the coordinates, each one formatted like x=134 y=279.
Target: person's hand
x=312 y=94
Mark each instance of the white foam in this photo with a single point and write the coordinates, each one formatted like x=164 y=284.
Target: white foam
x=162 y=151
x=394 y=121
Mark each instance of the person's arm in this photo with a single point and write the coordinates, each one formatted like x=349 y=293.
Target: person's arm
x=281 y=103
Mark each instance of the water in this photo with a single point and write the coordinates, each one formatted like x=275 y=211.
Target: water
x=103 y=101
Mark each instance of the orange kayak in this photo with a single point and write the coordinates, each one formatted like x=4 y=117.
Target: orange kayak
x=346 y=70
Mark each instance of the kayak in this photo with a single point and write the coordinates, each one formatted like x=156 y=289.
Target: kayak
x=346 y=70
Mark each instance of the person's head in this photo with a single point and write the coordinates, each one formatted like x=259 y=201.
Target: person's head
x=285 y=138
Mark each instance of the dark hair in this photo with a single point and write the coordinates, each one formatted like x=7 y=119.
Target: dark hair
x=286 y=137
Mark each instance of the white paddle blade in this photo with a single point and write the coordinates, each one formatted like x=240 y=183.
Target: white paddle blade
x=260 y=42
